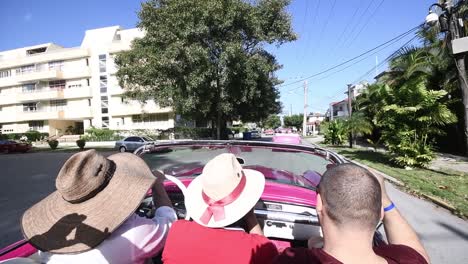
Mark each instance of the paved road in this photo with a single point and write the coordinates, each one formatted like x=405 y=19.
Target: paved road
x=24 y=180
x=27 y=178
x=444 y=236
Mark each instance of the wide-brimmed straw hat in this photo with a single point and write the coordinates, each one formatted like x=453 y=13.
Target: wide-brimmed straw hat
x=223 y=193
x=94 y=196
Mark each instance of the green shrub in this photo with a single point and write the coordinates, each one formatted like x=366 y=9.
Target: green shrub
x=410 y=150
x=97 y=134
x=53 y=144
x=334 y=132
x=192 y=132
x=81 y=143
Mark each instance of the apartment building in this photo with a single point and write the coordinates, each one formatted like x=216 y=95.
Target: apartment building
x=50 y=88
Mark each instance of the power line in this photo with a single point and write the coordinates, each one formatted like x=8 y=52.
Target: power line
x=345 y=29
x=389 y=58
x=359 y=21
x=373 y=53
x=327 y=21
x=354 y=58
x=313 y=23
x=367 y=22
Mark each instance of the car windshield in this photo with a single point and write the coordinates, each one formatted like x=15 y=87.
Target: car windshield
x=147 y=139
x=278 y=164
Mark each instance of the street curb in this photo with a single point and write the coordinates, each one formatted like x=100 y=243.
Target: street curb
x=434 y=200
x=386 y=177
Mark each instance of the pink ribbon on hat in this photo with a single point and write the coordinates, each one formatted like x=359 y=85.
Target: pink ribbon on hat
x=215 y=209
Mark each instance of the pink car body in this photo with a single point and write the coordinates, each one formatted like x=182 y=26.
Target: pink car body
x=293 y=139
x=275 y=190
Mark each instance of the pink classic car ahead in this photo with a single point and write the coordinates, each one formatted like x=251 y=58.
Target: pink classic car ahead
x=286 y=209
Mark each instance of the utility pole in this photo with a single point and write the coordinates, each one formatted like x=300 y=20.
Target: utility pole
x=350 y=113
x=461 y=66
x=304 y=121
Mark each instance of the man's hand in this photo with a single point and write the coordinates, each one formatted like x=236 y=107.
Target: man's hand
x=385 y=199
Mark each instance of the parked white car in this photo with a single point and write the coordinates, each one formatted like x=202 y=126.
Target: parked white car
x=132 y=143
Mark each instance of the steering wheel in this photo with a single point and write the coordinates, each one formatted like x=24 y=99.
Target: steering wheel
x=181 y=187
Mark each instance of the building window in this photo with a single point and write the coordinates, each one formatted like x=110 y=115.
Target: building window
x=29 y=87
x=104 y=104
x=57 y=85
x=150 y=118
x=87 y=81
x=105 y=121
x=4 y=74
x=103 y=84
x=26 y=69
x=35 y=51
x=87 y=62
x=57 y=104
x=74 y=85
x=30 y=107
x=36 y=125
x=89 y=102
x=102 y=63
x=55 y=65
x=123 y=121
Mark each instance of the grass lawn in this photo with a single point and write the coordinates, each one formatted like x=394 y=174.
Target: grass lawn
x=449 y=186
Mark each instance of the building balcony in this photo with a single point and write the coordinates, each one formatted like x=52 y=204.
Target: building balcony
x=6 y=99
x=135 y=108
x=39 y=74
x=48 y=93
x=45 y=74
x=55 y=113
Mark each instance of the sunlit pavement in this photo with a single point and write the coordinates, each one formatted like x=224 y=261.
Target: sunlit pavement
x=444 y=235
x=27 y=178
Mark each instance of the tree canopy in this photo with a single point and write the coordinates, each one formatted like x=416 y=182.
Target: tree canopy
x=294 y=121
x=207 y=59
x=273 y=121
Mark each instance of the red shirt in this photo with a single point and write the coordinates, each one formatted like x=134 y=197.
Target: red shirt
x=189 y=242
x=394 y=254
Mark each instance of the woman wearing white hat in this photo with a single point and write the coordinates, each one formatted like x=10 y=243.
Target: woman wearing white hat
x=223 y=196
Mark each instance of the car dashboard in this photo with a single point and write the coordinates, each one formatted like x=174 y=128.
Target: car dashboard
x=283 y=221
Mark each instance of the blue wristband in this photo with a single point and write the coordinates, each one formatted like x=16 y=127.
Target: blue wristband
x=390 y=207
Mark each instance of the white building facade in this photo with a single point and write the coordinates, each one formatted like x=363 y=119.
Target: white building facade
x=50 y=88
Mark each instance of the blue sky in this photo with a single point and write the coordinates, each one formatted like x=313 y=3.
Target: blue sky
x=330 y=32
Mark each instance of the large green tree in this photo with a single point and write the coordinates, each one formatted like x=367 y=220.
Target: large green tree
x=294 y=121
x=207 y=59
x=273 y=121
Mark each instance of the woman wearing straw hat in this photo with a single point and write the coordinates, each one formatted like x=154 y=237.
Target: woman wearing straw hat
x=220 y=201
x=90 y=217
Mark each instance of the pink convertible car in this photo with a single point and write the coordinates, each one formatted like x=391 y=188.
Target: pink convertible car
x=287 y=207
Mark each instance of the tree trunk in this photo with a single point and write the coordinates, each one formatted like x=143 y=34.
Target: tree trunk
x=218 y=126
x=350 y=139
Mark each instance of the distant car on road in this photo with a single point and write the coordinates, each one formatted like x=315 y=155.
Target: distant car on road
x=269 y=132
x=255 y=134
x=132 y=143
x=8 y=146
x=294 y=139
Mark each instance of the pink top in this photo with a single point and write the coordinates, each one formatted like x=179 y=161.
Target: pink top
x=135 y=241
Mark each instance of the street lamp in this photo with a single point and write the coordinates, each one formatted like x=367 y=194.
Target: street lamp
x=450 y=23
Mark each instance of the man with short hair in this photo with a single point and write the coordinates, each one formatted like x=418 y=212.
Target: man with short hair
x=350 y=203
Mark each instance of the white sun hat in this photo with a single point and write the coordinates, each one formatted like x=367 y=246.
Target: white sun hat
x=224 y=192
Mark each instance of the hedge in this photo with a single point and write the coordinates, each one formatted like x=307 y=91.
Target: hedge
x=31 y=135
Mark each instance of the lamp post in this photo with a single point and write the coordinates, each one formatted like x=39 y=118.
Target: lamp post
x=450 y=23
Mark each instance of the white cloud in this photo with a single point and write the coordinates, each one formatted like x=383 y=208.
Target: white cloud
x=27 y=17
